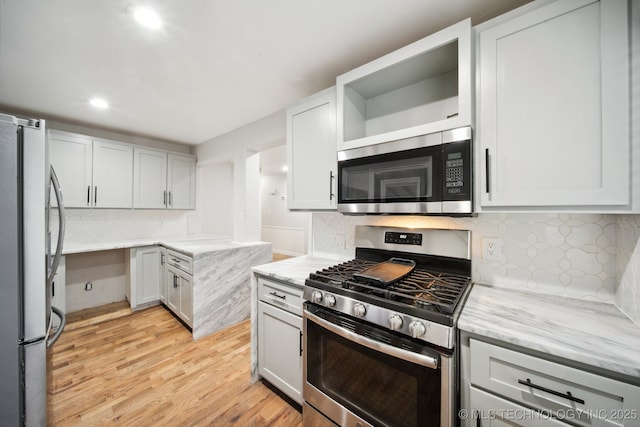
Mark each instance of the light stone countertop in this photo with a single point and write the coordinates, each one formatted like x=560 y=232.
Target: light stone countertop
x=189 y=245
x=295 y=270
x=590 y=333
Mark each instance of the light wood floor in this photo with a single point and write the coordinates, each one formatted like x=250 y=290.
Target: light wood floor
x=143 y=369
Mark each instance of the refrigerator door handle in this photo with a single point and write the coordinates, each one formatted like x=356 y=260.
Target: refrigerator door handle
x=61 y=227
x=63 y=321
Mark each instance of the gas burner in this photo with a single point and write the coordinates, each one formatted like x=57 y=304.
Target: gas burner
x=421 y=288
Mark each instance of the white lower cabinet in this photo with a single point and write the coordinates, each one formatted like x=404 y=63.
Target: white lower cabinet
x=280 y=336
x=145 y=275
x=163 y=275
x=508 y=387
x=179 y=284
x=490 y=410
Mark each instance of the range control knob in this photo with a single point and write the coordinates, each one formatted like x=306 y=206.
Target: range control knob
x=316 y=297
x=359 y=310
x=330 y=300
x=395 y=322
x=417 y=329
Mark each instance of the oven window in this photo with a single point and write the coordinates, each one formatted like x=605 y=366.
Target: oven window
x=410 y=176
x=377 y=387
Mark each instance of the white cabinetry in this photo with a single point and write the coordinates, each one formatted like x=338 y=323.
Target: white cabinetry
x=163 y=180
x=149 y=178
x=422 y=88
x=112 y=175
x=72 y=159
x=179 y=282
x=92 y=173
x=145 y=276
x=96 y=173
x=280 y=336
x=553 y=107
x=181 y=181
x=311 y=152
x=492 y=411
x=163 y=275
x=517 y=387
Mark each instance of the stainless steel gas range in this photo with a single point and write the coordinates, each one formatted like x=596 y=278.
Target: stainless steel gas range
x=380 y=332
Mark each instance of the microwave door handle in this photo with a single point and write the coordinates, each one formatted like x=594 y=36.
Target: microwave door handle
x=61 y=227
x=419 y=359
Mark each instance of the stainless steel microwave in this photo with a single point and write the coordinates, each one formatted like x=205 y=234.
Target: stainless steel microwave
x=426 y=175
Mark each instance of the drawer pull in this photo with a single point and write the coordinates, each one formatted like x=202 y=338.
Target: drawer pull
x=566 y=395
x=275 y=295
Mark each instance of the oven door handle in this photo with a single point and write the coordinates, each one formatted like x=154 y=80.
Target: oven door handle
x=418 y=359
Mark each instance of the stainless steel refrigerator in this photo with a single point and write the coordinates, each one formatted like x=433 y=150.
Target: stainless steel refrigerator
x=27 y=270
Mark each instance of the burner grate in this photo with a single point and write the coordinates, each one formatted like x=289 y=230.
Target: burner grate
x=422 y=288
x=341 y=272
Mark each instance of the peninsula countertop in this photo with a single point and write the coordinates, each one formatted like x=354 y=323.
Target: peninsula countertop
x=188 y=245
x=587 y=332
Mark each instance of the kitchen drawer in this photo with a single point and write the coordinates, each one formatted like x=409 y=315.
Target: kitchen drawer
x=494 y=411
x=181 y=261
x=572 y=394
x=281 y=295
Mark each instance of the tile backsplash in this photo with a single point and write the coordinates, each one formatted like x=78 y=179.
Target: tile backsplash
x=628 y=266
x=108 y=225
x=574 y=255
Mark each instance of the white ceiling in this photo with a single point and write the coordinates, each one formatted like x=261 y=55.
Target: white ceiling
x=215 y=65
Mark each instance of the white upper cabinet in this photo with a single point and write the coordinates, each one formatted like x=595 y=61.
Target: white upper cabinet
x=553 y=108
x=97 y=173
x=72 y=158
x=92 y=173
x=181 y=181
x=422 y=88
x=163 y=180
x=112 y=175
x=311 y=152
x=149 y=178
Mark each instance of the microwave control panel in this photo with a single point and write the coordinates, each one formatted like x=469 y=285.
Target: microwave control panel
x=457 y=170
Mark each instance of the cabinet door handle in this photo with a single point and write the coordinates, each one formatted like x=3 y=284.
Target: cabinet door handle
x=170 y=199
x=486 y=170
x=95 y=195
x=566 y=395
x=165 y=198
x=300 y=343
x=161 y=259
x=331 y=177
x=88 y=194
x=175 y=281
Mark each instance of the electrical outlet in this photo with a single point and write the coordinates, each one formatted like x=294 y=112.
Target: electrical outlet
x=491 y=248
x=88 y=286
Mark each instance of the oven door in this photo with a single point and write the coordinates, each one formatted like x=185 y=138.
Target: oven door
x=358 y=374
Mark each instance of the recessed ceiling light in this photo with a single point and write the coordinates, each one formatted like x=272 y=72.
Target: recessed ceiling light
x=285 y=168
x=99 y=103
x=147 y=17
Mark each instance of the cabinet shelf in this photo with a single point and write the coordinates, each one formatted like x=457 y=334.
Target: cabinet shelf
x=422 y=88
